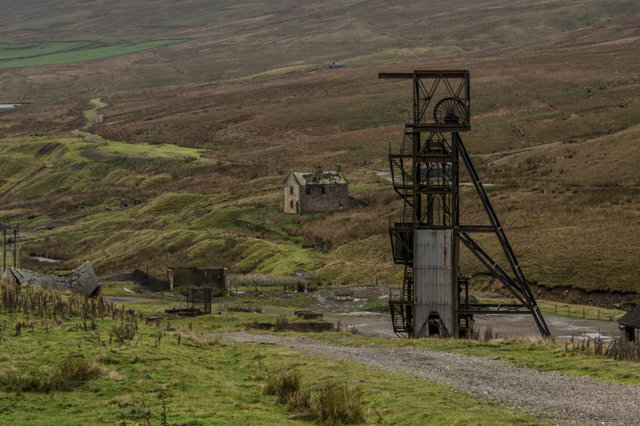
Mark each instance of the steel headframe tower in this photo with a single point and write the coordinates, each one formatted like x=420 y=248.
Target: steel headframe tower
x=426 y=239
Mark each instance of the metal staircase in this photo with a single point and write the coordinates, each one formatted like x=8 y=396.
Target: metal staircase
x=401 y=304
x=400 y=166
x=401 y=234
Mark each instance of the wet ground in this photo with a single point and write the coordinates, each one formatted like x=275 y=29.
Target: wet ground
x=562 y=328
x=43 y=259
x=127 y=299
x=349 y=313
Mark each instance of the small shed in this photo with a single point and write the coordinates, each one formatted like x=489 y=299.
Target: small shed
x=630 y=325
x=215 y=278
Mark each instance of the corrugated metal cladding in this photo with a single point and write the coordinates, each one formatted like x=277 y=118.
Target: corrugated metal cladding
x=434 y=284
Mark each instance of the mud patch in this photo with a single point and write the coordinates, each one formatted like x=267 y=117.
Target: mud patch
x=562 y=328
x=306 y=327
x=243 y=308
x=600 y=298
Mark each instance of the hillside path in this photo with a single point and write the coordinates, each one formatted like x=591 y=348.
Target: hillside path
x=92 y=115
x=567 y=399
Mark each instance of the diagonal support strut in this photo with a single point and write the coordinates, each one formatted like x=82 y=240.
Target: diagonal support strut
x=518 y=285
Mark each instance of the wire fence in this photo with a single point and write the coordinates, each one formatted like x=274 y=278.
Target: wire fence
x=582 y=312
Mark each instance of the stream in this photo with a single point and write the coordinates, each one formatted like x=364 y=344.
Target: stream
x=43 y=259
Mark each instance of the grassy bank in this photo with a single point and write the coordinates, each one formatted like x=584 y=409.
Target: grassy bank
x=167 y=373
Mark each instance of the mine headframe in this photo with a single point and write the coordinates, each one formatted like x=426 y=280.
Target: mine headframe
x=426 y=238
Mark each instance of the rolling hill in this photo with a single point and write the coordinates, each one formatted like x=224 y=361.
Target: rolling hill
x=210 y=106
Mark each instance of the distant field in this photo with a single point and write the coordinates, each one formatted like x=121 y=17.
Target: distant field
x=62 y=52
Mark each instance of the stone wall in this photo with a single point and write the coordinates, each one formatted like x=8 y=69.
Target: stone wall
x=215 y=278
x=291 y=195
x=323 y=198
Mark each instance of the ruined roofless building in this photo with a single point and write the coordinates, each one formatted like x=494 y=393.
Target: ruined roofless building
x=630 y=325
x=321 y=191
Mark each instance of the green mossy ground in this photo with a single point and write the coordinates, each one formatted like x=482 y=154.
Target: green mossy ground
x=201 y=380
x=205 y=379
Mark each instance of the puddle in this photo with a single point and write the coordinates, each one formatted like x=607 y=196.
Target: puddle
x=45 y=259
x=584 y=337
x=325 y=299
x=366 y=323
x=348 y=313
x=563 y=328
x=385 y=175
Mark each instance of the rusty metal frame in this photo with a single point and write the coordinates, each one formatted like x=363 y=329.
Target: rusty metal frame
x=456 y=85
x=192 y=298
x=10 y=244
x=432 y=202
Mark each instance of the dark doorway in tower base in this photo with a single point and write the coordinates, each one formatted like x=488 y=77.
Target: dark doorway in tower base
x=433 y=323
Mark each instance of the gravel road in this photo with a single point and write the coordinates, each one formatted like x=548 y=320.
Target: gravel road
x=566 y=399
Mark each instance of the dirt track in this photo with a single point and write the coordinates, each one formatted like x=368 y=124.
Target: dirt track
x=566 y=399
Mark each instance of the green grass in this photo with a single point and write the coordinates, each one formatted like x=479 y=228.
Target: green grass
x=53 y=53
x=266 y=257
x=118 y=289
x=171 y=362
x=31 y=50
x=145 y=150
x=528 y=352
x=197 y=379
x=202 y=379
x=580 y=311
x=377 y=305
x=565 y=309
x=74 y=152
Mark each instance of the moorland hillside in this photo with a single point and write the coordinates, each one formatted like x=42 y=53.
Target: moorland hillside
x=209 y=107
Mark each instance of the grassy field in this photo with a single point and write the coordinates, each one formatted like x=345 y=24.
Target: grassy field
x=49 y=53
x=121 y=368
x=166 y=372
x=285 y=36
x=167 y=369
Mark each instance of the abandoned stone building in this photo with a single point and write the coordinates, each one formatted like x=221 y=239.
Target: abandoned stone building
x=215 y=278
x=630 y=325
x=322 y=191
